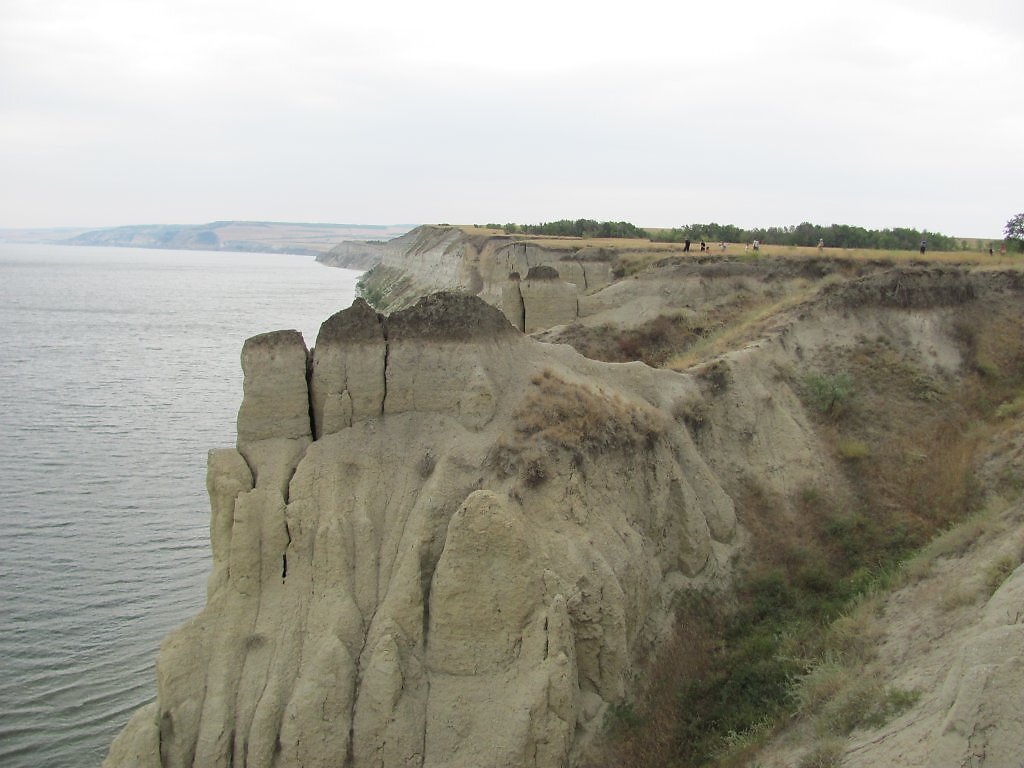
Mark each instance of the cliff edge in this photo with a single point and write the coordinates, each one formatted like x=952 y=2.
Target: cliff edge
x=441 y=542
x=424 y=511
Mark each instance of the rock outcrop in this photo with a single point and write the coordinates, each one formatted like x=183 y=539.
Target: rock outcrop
x=463 y=568
x=439 y=258
x=353 y=254
x=439 y=542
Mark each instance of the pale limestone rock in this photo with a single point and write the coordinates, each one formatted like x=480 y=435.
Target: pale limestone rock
x=548 y=303
x=485 y=587
x=390 y=595
x=273 y=421
x=597 y=274
x=347 y=382
x=227 y=476
x=275 y=401
x=512 y=305
x=138 y=745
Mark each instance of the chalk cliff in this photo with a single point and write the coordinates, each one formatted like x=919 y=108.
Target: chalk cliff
x=488 y=265
x=440 y=542
x=437 y=542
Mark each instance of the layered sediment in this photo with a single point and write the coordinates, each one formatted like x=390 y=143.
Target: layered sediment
x=457 y=528
x=440 y=542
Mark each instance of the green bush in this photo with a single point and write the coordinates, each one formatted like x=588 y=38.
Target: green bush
x=829 y=394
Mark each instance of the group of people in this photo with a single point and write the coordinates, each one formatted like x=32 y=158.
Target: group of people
x=756 y=245
x=703 y=246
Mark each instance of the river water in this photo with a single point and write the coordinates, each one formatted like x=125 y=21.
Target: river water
x=119 y=369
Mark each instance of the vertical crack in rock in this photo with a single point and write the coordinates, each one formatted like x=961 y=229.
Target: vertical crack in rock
x=309 y=393
x=522 y=309
x=426 y=581
x=284 y=557
x=387 y=353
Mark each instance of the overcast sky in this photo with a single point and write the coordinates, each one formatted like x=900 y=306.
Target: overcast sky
x=879 y=113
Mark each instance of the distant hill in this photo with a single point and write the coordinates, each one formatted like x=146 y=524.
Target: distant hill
x=250 y=236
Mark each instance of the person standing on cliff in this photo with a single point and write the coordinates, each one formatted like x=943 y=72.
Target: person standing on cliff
x=686 y=245
x=924 y=246
x=821 y=245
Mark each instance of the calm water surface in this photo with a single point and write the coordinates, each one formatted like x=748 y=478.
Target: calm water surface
x=119 y=369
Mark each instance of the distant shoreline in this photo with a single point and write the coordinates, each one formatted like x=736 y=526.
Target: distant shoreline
x=231 y=236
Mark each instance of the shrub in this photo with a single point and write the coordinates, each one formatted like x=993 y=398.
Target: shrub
x=829 y=395
x=622 y=715
x=820 y=684
x=534 y=472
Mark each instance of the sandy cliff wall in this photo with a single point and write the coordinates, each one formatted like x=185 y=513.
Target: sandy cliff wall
x=462 y=568
x=353 y=254
x=440 y=542
x=432 y=258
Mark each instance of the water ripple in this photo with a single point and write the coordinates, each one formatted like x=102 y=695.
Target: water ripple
x=120 y=370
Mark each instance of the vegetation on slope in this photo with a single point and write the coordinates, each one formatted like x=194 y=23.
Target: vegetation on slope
x=796 y=636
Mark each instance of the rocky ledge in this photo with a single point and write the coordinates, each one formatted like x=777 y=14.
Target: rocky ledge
x=438 y=543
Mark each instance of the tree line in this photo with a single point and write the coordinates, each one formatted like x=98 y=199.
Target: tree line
x=805 y=234
x=577 y=228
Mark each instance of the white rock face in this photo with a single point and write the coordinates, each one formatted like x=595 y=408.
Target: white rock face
x=443 y=577
x=441 y=258
x=548 y=302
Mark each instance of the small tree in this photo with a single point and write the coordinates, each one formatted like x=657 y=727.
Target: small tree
x=1014 y=230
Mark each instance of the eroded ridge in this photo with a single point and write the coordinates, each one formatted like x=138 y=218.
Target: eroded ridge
x=452 y=532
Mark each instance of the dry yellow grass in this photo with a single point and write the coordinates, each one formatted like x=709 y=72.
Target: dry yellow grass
x=746 y=327
x=573 y=415
x=637 y=254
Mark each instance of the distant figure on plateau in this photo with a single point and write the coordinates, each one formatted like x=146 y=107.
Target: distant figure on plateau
x=703 y=246
x=924 y=246
x=821 y=245
x=757 y=246
x=686 y=245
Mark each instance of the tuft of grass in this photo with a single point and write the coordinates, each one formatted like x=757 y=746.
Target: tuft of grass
x=957 y=597
x=1012 y=409
x=744 y=326
x=827 y=753
x=738 y=744
x=999 y=571
x=821 y=683
x=850 y=449
x=958 y=539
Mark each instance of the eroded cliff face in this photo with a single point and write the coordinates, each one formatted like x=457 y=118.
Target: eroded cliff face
x=497 y=268
x=437 y=543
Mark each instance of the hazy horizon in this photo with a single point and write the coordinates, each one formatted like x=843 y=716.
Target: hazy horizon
x=880 y=115
x=408 y=226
